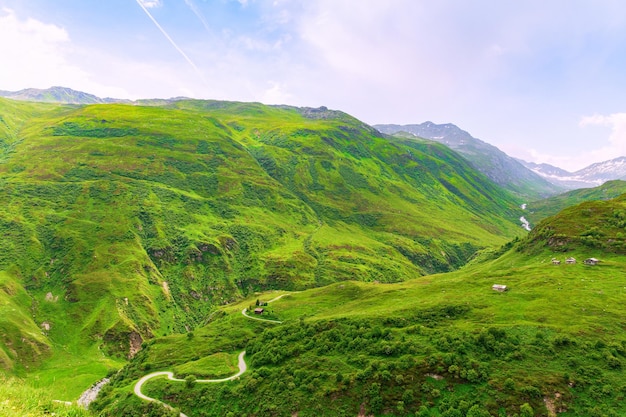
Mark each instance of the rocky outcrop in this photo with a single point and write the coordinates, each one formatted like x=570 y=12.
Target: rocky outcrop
x=91 y=393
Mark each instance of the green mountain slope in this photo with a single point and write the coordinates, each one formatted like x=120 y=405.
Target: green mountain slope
x=593 y=226
x=495 y=164
x=538 y=210
x=122 y=223
x=437 y=345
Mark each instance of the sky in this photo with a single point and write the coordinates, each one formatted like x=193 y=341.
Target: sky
x=544 y=81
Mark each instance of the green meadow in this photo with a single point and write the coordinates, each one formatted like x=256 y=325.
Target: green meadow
x=439 y=345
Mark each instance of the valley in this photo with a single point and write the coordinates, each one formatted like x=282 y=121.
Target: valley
x=139 y=239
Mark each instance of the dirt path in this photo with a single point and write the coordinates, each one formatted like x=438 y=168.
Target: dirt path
x=245 y=313
x=170 y=375
x=245 y=310
x=242 y=368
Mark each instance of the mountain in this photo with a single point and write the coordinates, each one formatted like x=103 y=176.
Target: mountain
x=539 y=210
x=126 y=222
x=495 y=164
x=591 y=176
x=135 y=239
x=64 y=95
x=56 y=95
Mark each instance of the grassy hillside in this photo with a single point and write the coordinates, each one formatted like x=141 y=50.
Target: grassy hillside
x=591 y=226
x=439 y=345
x=538 y=210
x=124 y=223
x=19 y=399
x=495 y=164
x=444 y=345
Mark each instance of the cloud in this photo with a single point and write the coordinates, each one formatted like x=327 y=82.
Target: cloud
x=34 y=45
x=150 y=4
x=276 y=94
x=170 y=40
x=37 y=55
x=617 y=138
x=198 y=14
x=564 y=161
x=600 y=145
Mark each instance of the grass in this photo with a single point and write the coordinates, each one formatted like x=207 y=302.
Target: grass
x=18 y=398
x=497 y=351
x=216 y=366
x=106 y=202
x=152 y=223
x=538 y=210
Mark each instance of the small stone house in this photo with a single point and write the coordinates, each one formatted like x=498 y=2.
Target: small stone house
x=556 y=261
x=591 y=261
x=259 y=310
x=570 y=261
x=499 y=288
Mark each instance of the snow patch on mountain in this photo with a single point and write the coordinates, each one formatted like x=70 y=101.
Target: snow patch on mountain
x=591 y=176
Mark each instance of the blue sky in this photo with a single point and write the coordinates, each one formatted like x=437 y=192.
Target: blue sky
x=544 y=81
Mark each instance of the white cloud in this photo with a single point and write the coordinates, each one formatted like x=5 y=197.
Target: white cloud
x=276 y=94
x=150 y=4
x=37 y=56
x=348 y=37
x=35 y=52
x=564 y=161
x=606 y=142
x=617 y=138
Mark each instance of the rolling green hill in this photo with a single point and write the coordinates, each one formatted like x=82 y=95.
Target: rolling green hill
x=438 y=345
x=593 y=225
x=541 y=209
x=123 y=223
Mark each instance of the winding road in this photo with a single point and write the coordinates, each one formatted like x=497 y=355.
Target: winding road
x=242 y=368
x=245 y=311
x=170 y=375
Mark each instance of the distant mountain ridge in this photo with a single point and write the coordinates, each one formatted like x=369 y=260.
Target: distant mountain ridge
x=57 y=95
x=64 y=95
x=491 y=161
x=591 y=176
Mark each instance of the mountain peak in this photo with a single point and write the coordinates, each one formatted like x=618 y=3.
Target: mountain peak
x=591 y=176
x=56 y=94
x=495 y=164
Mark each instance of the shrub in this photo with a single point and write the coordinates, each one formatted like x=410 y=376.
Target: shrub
x=190 y=381
x=526 y=410
x=477 y=411
x=509 y=384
